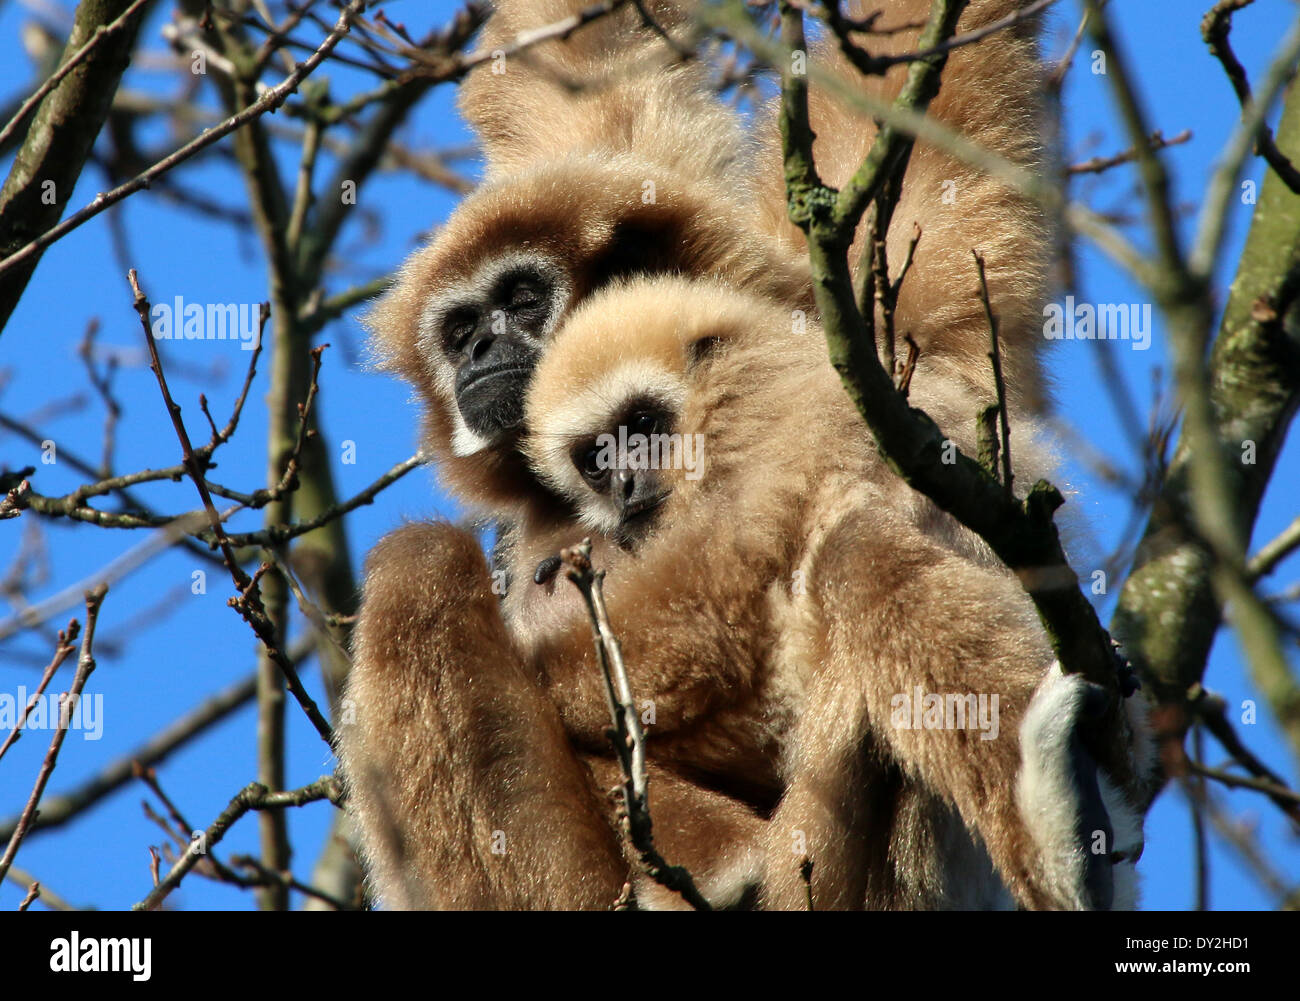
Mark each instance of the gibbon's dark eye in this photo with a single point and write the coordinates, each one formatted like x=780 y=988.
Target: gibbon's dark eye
x=524 y=295
x=592 y=467
x=643 y=422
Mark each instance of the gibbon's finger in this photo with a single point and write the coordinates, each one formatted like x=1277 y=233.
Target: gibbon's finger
x=547 y=569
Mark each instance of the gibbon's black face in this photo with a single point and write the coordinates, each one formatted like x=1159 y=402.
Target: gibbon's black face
x=622 y=467
x=493 y=339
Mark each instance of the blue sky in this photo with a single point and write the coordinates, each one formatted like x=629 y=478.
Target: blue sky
x=189 y=646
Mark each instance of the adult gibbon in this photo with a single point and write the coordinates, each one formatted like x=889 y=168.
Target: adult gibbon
x=462 y=755
x=653 y=413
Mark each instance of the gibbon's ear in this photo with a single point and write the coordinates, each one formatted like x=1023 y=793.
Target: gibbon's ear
x=701 y=350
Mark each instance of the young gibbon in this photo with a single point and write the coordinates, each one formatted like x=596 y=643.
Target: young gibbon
x=456 y=750
x=686 y=421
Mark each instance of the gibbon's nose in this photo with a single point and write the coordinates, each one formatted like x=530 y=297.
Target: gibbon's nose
x=624 y=487
x=480 y=347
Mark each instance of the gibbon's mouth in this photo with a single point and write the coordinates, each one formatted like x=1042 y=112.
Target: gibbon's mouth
x=644 y=507
x=638 y=519
x=490 y=373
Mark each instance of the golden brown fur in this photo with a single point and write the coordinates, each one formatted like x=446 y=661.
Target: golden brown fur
x=613 y=86
x=787 y=596
x=452 y=747
x=576 y=194
x=992 y=95
x=465 y=714
x=567 y=182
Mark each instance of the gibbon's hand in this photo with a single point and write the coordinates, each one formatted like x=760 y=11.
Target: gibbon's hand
x=1094 y=828
x=1081 y=821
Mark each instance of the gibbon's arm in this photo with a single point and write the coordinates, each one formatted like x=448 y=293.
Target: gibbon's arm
x=991 y=93
x=614 y=86
x=465 y=789
x=901 y=619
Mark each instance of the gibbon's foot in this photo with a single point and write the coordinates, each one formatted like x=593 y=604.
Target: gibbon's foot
x=1088 y=834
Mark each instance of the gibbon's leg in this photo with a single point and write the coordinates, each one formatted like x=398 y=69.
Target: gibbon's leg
x=903 y=619
x=465 y=788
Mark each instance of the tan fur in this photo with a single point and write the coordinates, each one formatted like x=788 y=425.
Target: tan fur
x=568 y=180
x=612 y=87
x=426 y=731
x=991 y=94
x=466 y=711
x=882 y=605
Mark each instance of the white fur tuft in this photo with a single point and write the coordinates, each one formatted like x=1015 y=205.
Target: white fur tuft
x=1049 y=801
x=1045 y=788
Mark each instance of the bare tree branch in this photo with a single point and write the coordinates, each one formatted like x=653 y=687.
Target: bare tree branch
x=253 y=796
x=85 y=665
x=52 y=155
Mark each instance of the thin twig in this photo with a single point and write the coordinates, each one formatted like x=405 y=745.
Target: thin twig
x=193 y=464
x=1220 y=194
x=253 y=796
x=63 y=808
x=1100 y=164
x=871 y=65
x=33 y=892
x=1215 y=29
x=21 y=877
x=995 y=359
x=85 y=665
x=626 y=734
x=278 y=534
x=1212 y=711
x=248 y=604
x=64 y=649
x=287 y=880
x=269 y=101
x=1274 y=552
x=1273 y=790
